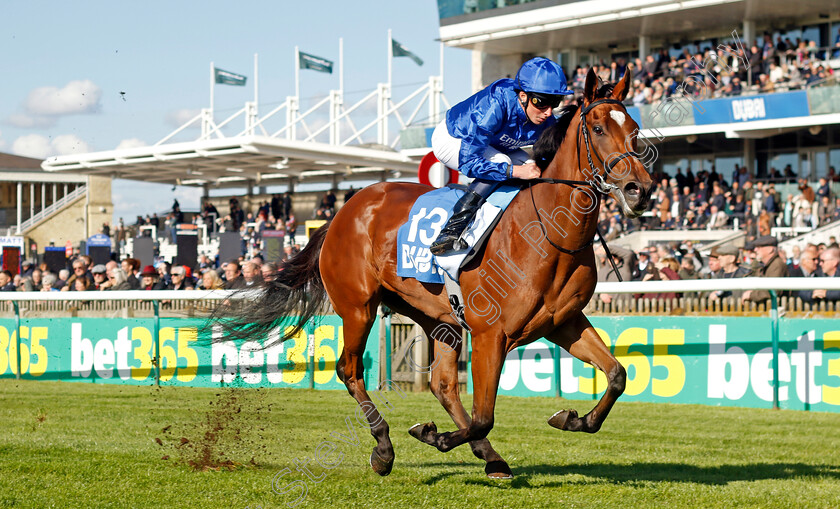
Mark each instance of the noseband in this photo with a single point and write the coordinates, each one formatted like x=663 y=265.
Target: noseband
x=596 y=180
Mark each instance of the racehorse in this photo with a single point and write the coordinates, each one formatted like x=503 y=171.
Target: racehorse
x=541 y=249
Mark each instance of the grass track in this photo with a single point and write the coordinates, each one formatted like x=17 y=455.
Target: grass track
x=93 y=445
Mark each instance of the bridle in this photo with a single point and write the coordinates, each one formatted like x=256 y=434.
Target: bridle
x=596 y=180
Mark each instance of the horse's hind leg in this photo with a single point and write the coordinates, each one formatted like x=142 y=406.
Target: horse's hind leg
x=444 y=385
x=357 y=325
x=579 y=338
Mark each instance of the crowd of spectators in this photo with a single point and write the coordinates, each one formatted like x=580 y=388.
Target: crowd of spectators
x=763 y=67
x=82 y=274
x=759 y=258
x=708 y=200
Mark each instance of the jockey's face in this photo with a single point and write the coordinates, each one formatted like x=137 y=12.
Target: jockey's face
x=535 y=115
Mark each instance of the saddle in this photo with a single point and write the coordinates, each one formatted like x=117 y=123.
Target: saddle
x=427 y=217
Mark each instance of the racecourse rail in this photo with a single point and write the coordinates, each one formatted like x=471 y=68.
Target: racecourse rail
x=741 y=374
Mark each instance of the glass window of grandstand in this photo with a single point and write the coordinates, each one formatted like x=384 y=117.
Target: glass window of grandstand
x=670 y=167
x=785 y=164
x=724 y=166
x=813 y=164
x=834 y=159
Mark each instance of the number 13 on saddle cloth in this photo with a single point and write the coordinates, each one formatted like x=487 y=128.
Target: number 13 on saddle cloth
x=428 y=215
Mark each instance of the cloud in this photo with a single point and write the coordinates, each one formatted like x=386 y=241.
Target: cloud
x=80 y=96
x=44 y=105
x=69 y=144
x=41 y=147
x=180 y=117
x=27 y=121
x=2 y=141
x=131 y=143
x=32 y=145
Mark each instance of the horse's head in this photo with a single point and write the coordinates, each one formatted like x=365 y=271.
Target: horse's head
x=608 y=145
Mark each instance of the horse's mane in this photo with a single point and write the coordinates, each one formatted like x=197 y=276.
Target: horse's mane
x=550 y=140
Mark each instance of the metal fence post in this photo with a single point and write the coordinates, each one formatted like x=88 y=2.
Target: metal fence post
x=156 y=342
x=774 y=333
x=310 y=347
x=387 y=320
x=17 y=338
x=558 y=392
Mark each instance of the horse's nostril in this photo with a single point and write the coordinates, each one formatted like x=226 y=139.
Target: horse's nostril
x=632 y=189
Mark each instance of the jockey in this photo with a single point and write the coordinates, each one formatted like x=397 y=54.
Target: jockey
x=481 y=137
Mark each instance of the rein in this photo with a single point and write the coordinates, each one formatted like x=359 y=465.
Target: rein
x=598 y=182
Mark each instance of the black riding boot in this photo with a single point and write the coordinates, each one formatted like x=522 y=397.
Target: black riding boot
x=449 y=241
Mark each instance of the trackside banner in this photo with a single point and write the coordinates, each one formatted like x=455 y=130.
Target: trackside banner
x=702 y=360
x=709 y=361
x=123 y=351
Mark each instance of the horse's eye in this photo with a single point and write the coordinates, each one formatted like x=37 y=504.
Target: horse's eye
x=598 y=129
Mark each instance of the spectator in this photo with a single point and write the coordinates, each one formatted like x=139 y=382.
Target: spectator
x=772 y=265
x=61 y=282
x=233 y=276
x=251 y=274
x=729 y=269
x=49 y=280
x=825 y=211
x=149 y=279
x=34 y=282
x=179 y=279
x=82 y=284
x=807 y=192
x=117 y=280
x=99 y=277
x=291 y=226
x=718 y=218
x=6 y=284
x=80 y=271
x=287 y=204
x=625 y=262
x=828 y=268
x=808 y=263
x=130 y=266
x=268 y=270
x=210 y=280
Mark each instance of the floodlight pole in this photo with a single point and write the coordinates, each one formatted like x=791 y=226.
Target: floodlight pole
x=212 y=86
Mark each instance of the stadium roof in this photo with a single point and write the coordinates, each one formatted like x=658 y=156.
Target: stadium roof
x=229 y=162
x=535 y=26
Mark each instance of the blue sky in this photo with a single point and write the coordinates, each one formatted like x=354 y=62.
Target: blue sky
x=65 y=64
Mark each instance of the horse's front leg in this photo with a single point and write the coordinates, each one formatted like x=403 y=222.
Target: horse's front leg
x=579 y=338
x=487 y=359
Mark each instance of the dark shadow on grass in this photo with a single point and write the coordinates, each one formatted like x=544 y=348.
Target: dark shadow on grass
x=646 y=472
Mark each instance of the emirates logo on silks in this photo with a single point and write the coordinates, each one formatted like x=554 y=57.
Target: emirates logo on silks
x=509 y=142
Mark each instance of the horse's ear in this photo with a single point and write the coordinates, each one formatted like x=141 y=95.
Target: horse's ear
x=622 y=88
x=590 y=87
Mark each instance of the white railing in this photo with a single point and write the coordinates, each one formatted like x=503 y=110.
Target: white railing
x=686 y=285
x=339 y=127
x=55 y=207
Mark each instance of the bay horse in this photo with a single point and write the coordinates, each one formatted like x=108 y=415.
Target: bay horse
x=550 y=275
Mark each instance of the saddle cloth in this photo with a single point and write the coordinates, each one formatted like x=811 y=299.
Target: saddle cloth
x=427 y=218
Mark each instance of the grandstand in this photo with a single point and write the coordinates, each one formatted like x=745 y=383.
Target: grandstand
x=758 y=91
x=711 y=98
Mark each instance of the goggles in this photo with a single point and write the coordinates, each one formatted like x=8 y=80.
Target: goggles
x=544 y=101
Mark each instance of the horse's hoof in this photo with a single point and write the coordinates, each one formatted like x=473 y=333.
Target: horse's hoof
x=380 y=465
x=566 y=420
x=498 y=470
x=424 y=432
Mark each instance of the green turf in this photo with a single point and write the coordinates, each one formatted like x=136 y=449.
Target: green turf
x=91 y=445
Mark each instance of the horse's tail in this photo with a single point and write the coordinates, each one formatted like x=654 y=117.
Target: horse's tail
x=292 y=297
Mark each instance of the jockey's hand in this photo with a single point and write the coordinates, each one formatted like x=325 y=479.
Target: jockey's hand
x=527 y=171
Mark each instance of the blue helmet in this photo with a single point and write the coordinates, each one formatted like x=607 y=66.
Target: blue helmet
x=542 y=76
